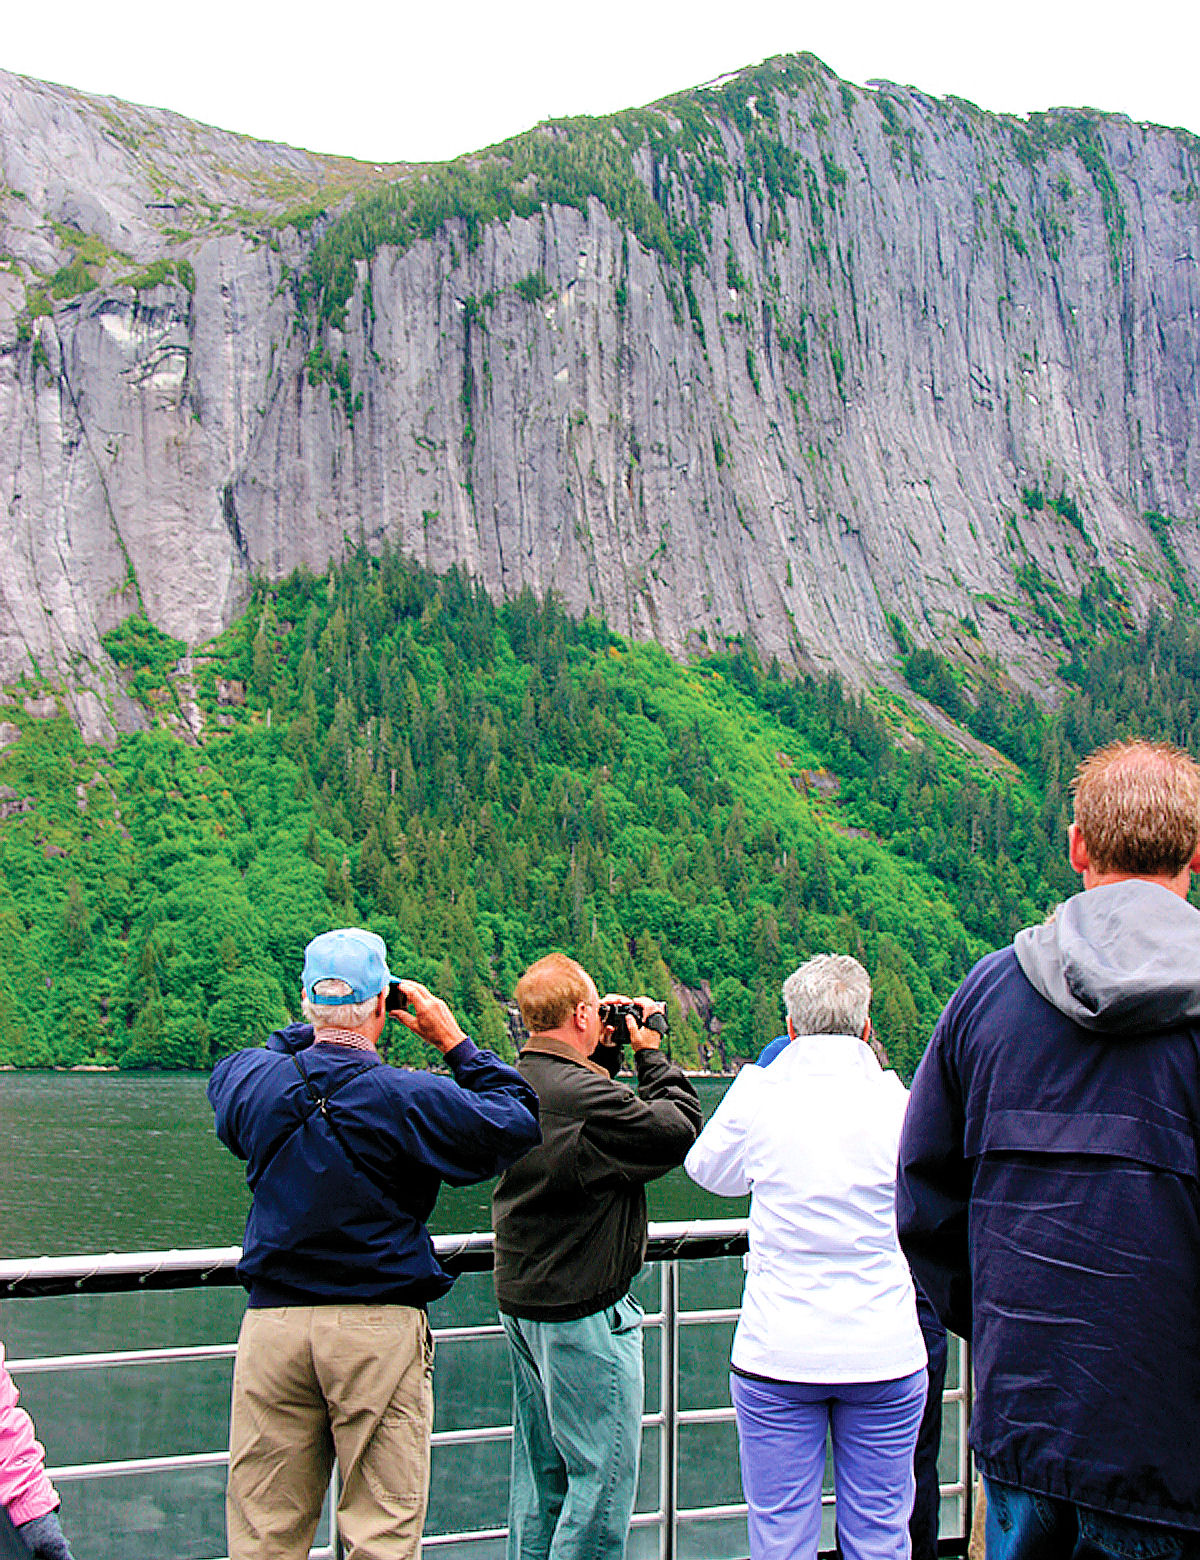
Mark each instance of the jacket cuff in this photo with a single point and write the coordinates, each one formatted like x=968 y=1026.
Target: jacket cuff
x=465 y=1051
x=31 y=1504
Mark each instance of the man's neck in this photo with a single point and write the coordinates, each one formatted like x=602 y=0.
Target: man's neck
x=565 y=1036
x=1178 y=884
x=552 y=1044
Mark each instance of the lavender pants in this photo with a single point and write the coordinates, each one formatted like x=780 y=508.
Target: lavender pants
x=782 y=1426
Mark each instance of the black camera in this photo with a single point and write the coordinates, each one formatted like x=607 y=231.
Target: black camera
x=609 y=1054
x=617 y=1015
x=396 y=1001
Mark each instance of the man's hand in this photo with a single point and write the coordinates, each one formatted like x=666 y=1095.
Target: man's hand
x=429 y=1017
x=640 y=1038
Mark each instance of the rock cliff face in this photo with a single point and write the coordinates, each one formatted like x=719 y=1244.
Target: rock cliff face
x=780 y=358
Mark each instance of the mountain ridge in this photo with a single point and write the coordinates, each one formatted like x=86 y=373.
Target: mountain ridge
x=778 y=358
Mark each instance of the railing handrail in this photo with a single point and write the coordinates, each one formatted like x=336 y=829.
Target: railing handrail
x=115 y=1272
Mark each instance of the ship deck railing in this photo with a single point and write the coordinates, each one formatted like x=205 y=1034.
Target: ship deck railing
x=678 y=1526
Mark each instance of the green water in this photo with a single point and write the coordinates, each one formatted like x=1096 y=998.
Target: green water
x=94 y=1162
x=105 y=1162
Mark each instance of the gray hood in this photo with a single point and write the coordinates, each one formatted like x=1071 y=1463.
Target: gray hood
x=1121 y=958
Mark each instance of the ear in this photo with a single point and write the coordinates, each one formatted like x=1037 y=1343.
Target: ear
x=791 y=1031
x=1194 y=863
x=1077 y=850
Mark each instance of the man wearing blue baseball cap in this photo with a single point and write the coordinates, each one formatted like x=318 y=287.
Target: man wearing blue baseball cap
x=345 y=1156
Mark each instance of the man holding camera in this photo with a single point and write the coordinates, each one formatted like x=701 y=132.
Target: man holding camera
x=345 y=1156
x=570 y=1222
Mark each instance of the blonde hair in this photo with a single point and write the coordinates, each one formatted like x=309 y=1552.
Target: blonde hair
x=550 y=990
x=1137 y=805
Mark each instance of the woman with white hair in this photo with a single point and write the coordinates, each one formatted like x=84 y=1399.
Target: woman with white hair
x=828 y=1339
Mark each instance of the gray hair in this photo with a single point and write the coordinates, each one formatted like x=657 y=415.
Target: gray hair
x=346 y=1015
x=830 y=994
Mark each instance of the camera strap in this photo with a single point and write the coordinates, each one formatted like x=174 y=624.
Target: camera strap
x=321 y=1104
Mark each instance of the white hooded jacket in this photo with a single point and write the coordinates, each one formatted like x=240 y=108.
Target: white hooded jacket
x=813 y=1138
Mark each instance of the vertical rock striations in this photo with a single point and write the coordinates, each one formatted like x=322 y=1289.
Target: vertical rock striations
x=779 y=358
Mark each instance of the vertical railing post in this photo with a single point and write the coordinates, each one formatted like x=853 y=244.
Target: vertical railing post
x=335 y=1532
x=669 y=1446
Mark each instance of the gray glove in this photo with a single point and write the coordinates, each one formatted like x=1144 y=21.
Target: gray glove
x=45 y=1538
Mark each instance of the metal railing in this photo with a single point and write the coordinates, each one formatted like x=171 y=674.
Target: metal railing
x=669 y=1245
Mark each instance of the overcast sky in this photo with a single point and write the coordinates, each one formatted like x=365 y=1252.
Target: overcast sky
x=425 y=80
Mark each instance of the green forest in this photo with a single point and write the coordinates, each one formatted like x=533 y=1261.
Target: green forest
x=482 y=783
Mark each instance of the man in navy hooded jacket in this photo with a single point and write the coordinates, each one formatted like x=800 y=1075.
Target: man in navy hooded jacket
x=345 y=1156
x=1049 y=1194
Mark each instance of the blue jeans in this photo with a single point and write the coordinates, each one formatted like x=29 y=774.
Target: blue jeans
x=782 y=1427
x=577 y=1434
x=1022 y=1525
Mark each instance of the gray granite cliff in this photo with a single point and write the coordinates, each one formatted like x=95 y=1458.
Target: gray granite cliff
x=780 y=358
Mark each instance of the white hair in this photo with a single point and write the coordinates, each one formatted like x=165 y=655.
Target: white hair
x=830 y=994
x=343 y=1015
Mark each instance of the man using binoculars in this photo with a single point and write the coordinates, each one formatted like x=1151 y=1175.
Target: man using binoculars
x=570 y=1222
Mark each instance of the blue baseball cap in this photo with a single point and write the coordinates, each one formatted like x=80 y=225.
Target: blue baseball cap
x=351 y=955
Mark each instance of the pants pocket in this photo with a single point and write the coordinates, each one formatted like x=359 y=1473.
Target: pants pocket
x=395 y=1462
x=1126 y=1540
x=626 y=1316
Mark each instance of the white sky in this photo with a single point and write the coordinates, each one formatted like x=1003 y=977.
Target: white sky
x=419 y=80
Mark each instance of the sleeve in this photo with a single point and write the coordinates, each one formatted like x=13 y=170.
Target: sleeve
x=25 y=1491
x=230 y=1093
x=221 y=1096
x=473 y=1126
x=639 y=1137
x=933 y=1182
x=717 y=1160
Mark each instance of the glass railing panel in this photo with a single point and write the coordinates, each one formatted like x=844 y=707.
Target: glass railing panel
x=704 y=1365
x=471 y=1303
x=649 y=1472
x=653 y=1343
x=712 y=1285
x=468 y=1487
x=714 y=1538
x=175 y=1514
x=90 y=1323
x=709 y=1474
x=472 y=1383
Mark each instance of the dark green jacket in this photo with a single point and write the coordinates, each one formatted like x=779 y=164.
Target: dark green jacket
x=570 y=1216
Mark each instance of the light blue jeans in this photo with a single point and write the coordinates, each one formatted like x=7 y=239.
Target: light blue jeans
x=782 y=1426
x=577 y=1434
x=1022 y=1525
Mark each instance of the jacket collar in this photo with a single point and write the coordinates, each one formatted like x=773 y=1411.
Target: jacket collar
x=547 y=1045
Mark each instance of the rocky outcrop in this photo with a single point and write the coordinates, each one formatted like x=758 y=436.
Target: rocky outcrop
x=779 y=358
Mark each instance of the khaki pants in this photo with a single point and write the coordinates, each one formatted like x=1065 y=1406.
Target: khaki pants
x=315 y=1382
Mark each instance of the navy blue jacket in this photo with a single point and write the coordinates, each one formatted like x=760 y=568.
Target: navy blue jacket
x=341 y=1194
x=1049 y=1202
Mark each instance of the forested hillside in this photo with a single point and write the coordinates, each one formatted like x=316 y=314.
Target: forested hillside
x=482 y=783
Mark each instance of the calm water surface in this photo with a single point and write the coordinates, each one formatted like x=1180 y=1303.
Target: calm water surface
x=93 y=1162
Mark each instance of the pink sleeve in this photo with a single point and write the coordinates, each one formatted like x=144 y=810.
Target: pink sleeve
x=25 y=1491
